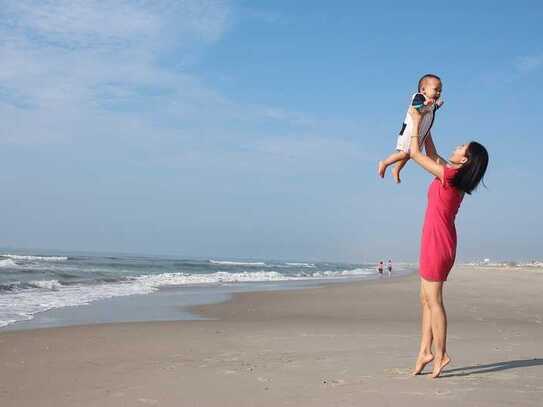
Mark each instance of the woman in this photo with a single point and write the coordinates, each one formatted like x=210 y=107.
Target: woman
x=461 y=175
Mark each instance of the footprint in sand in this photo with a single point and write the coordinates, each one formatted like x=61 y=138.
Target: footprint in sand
x=333 y=382
x=396 y=371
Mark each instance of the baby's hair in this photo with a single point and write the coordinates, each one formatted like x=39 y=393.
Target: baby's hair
x=427 y=76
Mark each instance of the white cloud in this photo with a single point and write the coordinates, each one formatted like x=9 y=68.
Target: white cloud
x=92 y=70
x=93 y=23
x=63 y=60
x=80 y=24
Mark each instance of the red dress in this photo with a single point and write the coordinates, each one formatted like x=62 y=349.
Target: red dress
x=438 y=246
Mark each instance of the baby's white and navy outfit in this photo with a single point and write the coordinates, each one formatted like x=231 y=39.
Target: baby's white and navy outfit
x=428 y=113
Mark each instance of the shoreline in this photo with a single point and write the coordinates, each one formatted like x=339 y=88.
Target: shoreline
x=168 y=303
x=41 y=291
x=338 y=344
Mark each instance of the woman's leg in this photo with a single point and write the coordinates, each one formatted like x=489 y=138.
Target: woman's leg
x=425 y=352
x=433 y=291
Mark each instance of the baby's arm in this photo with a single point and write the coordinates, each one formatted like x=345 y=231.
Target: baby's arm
x=418 y=101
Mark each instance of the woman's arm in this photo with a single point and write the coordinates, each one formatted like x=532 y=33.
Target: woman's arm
x=431 y=152
x=414 y=149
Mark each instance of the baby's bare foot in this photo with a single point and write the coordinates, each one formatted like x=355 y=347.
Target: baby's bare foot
x=439 y=364
x=396 y=175
x=422 y=361
x=381 y=169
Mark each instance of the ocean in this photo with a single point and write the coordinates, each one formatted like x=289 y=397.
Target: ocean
x=31 y=284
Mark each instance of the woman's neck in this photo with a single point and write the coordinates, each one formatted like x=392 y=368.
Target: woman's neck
x=454 y=164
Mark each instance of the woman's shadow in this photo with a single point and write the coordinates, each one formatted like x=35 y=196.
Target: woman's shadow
x=492 y=367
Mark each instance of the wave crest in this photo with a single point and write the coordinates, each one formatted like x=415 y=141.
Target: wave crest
x=237 y=263
x=31 y=258
x=7 y=263
x=53 y=285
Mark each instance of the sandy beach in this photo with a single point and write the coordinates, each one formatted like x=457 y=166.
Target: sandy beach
x=336 y=345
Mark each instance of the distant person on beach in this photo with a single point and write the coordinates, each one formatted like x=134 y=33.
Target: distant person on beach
x=380 y=267
x=426 y=101
x=389 y=266
x=460 y=175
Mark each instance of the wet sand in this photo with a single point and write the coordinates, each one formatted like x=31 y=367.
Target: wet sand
x=337 y=345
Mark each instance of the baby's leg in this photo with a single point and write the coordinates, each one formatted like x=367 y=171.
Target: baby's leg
x=398 y=167
x=391 y=159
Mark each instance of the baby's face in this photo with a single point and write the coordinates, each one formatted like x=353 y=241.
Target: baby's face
x=431 y=88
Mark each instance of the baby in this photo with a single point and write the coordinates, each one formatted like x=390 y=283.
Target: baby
x=426 y=101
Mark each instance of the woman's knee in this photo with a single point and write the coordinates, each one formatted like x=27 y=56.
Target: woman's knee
x=433 y=299
x=432 y=293
x=435 y=303
x=422 y=299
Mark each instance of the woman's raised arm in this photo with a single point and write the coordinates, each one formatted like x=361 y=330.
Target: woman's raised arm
x=414 y=149
x=431 y=152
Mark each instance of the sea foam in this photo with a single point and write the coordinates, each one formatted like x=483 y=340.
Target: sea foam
x=237 y=263
x=34 y=258
x=7 y=263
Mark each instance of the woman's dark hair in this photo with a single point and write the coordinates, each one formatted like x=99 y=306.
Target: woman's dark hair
x=427 y=76
x=472 y=171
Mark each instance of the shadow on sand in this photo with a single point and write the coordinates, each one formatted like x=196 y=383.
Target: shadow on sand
x=492 y=367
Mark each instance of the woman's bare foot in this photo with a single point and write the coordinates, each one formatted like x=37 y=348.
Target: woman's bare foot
x=422 y=361
x=396 y=174
x=439 y=364
x=381 y=169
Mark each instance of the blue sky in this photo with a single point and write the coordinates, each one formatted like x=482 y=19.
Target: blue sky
x=232 y=129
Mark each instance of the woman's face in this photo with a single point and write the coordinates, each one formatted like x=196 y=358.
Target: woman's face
x=459 y=155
